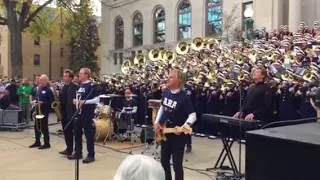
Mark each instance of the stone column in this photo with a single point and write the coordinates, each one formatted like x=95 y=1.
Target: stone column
x=295 y=18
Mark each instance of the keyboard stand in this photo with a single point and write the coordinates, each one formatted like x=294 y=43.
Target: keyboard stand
x=226 y=153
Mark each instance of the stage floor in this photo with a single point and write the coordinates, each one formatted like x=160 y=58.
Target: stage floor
x=19 y=162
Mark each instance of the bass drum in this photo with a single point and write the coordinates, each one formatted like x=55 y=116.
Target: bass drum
x=103 y=128
x=105 y=111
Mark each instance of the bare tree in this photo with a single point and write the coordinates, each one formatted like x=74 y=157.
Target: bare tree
x=231 y=29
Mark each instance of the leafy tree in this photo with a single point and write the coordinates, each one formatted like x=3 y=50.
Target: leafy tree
x=82 y=31
x=34 y=16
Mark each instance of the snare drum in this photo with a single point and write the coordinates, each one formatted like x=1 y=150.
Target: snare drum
x=104 y=128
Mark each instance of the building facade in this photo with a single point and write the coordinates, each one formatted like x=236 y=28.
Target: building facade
x=40 y=55
x=133 y=26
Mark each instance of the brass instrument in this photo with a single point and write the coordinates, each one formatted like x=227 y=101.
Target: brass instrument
x=154 y=55
x=38 y=114
x=197 y=44
x=125 y=68
x=308 y=75
x=140 y=60
x=169 y=56
x=211 y=44
x=286 y=76
x=241 y=76
x=56 y=103
x=182 y=48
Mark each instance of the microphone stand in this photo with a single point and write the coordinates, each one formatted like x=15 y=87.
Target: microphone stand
x=75 y=119
x=240 y=130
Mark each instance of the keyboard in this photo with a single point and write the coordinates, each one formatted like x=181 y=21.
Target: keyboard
x=230 y=120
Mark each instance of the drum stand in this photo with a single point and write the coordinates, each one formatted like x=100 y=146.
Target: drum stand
x=111 y=134
x=153 y=147
x=130 y=130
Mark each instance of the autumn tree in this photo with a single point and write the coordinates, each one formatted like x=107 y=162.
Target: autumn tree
x=31 y=16
x=82 y=32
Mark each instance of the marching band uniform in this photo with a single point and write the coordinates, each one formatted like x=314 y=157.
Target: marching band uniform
x=306 y=109
x=214 y=106
x=286 y=101
x=200 y=106
x=231 y=102
x=188 y=90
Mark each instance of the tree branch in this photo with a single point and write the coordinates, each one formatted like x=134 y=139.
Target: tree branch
x=3 y=21
x=34 y=14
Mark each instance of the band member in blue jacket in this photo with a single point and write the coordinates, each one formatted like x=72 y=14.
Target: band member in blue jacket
x=89 y=97
x=176 y=111
x=44 y=99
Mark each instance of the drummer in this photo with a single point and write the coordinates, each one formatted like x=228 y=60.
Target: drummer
x=129 y=102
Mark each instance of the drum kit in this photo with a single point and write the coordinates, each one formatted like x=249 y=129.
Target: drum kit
x=109 y=123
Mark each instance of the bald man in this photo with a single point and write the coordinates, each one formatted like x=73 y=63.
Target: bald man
x=44 y=98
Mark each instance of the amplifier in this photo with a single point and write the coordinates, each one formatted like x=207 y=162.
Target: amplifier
x=289 y=152
x=11 y=117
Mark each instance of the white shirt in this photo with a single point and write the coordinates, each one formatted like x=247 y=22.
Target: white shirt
x=2 y=90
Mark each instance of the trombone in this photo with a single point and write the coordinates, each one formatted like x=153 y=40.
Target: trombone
x=39 y=116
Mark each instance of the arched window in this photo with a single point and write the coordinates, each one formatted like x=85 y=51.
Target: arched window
x=159 y=26
x=137 y=29
x=184 y=20
x=214 y=18
x=119 y=30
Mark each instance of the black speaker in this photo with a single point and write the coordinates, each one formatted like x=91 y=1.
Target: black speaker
x=283 y=153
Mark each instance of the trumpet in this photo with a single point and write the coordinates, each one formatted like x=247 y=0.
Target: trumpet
x=78 y=98
x=39 y=116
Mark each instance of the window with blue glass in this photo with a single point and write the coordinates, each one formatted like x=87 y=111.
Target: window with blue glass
x=184 y=20
x=159 y=26
x=118 y=33
x=214 y=17
x=137 y=29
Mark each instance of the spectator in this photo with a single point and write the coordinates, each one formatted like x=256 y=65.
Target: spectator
x=24 y=92
x=2 y=88
x=140 y=167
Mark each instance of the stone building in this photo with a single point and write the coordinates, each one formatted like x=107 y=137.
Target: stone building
x=132 y=26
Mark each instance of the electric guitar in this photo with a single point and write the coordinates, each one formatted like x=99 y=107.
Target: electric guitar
x=160 y=136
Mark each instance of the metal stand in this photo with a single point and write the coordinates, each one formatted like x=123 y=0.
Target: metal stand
x=130 y=128
x=77 y=148
x=153 y=146
x=111 y=134
x=74 y=120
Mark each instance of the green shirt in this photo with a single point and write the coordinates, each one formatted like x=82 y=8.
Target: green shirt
x=27 y=90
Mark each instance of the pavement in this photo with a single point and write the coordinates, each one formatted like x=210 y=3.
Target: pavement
x=19 y=162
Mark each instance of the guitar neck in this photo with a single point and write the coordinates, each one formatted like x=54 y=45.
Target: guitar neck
x=168 y=130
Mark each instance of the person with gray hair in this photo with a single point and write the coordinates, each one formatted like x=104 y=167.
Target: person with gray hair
x=140 y=167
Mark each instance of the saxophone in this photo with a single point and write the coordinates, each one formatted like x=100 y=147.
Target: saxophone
x=56 y=104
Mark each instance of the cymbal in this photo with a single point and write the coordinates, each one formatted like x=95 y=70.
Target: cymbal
x=104 y=96
x=113 y=95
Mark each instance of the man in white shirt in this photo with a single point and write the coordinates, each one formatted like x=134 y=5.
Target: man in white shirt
x=2 y=88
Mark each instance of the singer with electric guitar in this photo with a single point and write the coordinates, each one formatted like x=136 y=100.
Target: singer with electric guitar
x=176 y=112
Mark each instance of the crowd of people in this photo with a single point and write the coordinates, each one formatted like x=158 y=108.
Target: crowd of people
x=269 y=78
